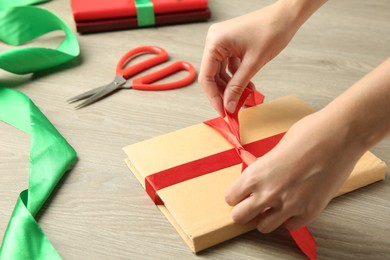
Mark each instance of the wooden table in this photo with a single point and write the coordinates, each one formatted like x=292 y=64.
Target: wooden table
x=100 y=211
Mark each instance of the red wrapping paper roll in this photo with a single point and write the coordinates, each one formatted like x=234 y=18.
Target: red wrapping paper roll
x=101 y=15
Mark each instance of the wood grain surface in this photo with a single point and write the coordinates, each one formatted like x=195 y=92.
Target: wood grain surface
x=100 y=211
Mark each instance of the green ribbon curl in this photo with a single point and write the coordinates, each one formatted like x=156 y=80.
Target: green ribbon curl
x=19 y=25
x=145 y=13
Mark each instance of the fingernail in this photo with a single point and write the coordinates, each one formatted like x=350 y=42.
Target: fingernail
x=231 y=106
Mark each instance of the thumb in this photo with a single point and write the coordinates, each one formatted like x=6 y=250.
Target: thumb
x=237 y=84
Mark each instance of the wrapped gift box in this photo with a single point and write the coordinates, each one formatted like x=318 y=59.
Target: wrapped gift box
x=101 y=15
x=196 y=207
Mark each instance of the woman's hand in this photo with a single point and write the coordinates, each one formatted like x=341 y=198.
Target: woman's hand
x=245 y=44
x=294 y=182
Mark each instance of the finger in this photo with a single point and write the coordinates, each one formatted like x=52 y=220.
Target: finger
x=239 y=190
x=209 y=69
x=223 y=74
x=220 y=79
x=247 y=182
x=248 y=209
x=210 y=87
x=272 y=219
x=297 y=222
x=233 y=65
x=238 y=83
x=251 y=85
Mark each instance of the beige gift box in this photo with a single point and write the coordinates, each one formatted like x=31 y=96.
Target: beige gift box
x=196 y=207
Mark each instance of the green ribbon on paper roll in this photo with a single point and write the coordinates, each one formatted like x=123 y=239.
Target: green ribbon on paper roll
x=19 y=25
x=145 y=13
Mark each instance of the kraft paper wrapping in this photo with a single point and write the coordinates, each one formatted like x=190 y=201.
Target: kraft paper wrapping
x=196 y=207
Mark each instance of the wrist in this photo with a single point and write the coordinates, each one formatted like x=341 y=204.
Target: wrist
x=300 y=10
x=345 y=129
x=363 y=109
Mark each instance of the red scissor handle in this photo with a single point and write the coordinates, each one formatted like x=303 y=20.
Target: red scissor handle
x=127 y=72
x=145 y=82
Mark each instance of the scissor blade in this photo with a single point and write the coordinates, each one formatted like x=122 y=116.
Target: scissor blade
x=108 y=89
x=86 y=94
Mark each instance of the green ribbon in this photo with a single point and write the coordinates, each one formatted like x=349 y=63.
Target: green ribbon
x=13 y=3
x=145 y=13
x=50 y=157
x=50 y=154
x=19 y=25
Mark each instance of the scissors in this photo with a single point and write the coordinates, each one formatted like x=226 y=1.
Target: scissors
x=123 y=73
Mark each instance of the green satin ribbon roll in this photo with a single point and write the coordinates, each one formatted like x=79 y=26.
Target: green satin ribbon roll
x=145 y=13
x=19 y=25
x=50 y=157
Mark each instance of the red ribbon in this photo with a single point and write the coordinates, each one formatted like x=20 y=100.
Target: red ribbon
x=205 y=165
x=212 y=163
x=231 y=131
x=246 y=154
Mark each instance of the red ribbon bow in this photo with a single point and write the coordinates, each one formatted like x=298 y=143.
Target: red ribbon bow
x=230 y=130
